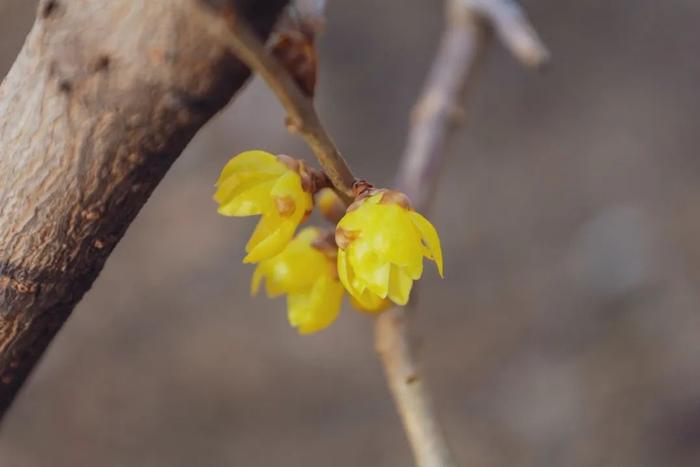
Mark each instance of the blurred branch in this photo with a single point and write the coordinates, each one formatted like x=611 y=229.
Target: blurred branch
x=512 y=28
x=468 y=26
x=301 y=113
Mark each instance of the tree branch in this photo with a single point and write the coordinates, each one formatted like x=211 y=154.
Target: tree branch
x=101 y=100
x=465 y=38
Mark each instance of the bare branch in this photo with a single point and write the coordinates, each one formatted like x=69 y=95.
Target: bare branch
x=410 y=392
x=439 y=107
x=466 y=35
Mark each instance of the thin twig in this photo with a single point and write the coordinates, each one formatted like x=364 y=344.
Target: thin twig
x=440 y=106
x=512 y=28
x=302 y=118
x=465 y=38
x=468 y=27
x=409 y=390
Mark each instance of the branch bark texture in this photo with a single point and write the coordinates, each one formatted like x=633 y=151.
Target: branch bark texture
x=103 y=97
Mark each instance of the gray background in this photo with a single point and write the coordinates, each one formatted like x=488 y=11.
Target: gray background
x=565 y=334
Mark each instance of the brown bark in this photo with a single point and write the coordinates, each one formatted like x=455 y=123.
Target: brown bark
x=103 y=97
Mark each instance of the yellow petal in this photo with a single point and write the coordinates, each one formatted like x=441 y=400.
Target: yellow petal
x=375 y=275
x=306 y=236
x=299 y=265
x=360 y=297
x=430 y=237
x=225 y=190
x=273 y=287
x=399 y=286
x=317 y=309
x=359 y=218
x=255 y=282
x=343 y=273
x=370 y=303
x=347 y=276
x=296 y=268
x=266 y=226
x=415 y=268
x=251 y=161
x=395 y=239
x=289 y=185
x=272 y=243
x=249 y=199
x=374 y=199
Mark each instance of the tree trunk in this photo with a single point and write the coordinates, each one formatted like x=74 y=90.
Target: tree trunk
x=103 y=97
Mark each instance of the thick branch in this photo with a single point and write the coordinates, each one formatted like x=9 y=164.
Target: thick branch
x=467 y=31
x=103 y=97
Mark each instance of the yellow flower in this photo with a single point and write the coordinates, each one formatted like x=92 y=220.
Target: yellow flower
x=308 y=276
x=258 y=183
x=382 y=242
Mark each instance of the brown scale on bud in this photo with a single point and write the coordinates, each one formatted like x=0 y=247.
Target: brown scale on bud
x=343 y=237
x=289 y=161
x=294 y=43
x=296 y=51
x=396 y=197
x=285 y=205
x=312 y=180
x=362 y=189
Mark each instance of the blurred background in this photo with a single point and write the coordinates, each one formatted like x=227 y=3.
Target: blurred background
x=567 y=331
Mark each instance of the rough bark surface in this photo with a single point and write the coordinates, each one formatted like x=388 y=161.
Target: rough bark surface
x=103 y=97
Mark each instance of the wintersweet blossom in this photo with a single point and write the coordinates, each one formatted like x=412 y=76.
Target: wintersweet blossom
x=382 y=242
x=259 y=183
x=306 y=272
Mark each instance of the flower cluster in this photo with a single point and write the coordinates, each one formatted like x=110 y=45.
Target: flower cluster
x=375 y=252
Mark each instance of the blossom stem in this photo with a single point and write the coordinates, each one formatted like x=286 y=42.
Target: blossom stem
x=302 y=117
x=466 y=35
